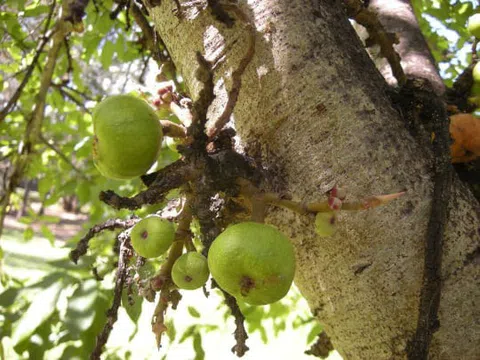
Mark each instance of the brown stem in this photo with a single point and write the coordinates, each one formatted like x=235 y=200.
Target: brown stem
x=112 y=313
x=181 y=235
x=112 y=224
x=237 y=74
x=173 y=130
x=64 y=157
x=356 y=10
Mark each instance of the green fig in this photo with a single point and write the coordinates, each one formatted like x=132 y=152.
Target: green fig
x=253 y=262
x=190 y=271
x=152 y=236
x=325 y=223
x=127 y=137
x=473 y=26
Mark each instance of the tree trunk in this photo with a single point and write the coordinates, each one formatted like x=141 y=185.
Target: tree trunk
x=313 y=108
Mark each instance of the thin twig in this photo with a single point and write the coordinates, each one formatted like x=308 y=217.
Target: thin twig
x=111 y=224
x=66 y=94
x=159 y=184
x=45 y=38
x=181 y=236
x=63 y=157
x=153 y=40
x=112 y=313
x=223 y=119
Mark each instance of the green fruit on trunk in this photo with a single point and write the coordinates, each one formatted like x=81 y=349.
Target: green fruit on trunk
x=253 y=262
x=476 y=73
x=190 y=271
x=152 y=236
x=474 y=25
x=325 y=224
x=475 y=89
x=127 y=138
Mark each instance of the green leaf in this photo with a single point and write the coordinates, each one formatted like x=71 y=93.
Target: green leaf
x=314 y=331
x=188 y=333
x=48 y=234
x=171 y=330
x=197 y=346
x=7 y=298
x=28 y=233
x=193 y=312
x=40 y=309
x=31 y=11
x=49 y=218
x=134 y=311
x=107 y=54
x=80 y=313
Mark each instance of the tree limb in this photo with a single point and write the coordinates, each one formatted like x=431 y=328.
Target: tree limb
x=357 y=11
x=112 y=313
x=63 y=157
x=237 y=74
x=111 y=224
x=45 y=38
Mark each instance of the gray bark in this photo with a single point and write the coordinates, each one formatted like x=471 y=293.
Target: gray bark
x=313 y=108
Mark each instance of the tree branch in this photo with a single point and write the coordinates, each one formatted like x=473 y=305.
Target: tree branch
x=111 y=224
x=63 y=157
x=159 y=183
x=357 y=11
x=45 y=38
x=237 y=74
x=153 y=39
x=112 y=313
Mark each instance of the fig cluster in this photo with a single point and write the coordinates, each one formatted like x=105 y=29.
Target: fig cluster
x=253 y=262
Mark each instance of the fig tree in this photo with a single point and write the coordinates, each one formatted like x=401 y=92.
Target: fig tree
x=127 y=137
x=190 y=271
x=253 y=262
x=152 y=236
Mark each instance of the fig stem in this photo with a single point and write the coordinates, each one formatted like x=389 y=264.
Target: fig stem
x=251 y=191
x=181 y=236
x=173 y=130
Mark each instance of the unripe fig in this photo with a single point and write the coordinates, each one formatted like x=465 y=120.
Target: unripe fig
x=474 y=25
x=475 y=89
x=253 y=262
x=152 y=236
x=127 y=138
x=190 y=271
x=476 y=73
x=325 y=223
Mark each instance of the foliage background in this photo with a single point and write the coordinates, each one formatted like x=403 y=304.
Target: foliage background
x=51 y=308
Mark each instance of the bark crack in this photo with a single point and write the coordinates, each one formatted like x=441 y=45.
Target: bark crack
x=432 y=111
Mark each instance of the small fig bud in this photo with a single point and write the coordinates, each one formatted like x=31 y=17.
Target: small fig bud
x=325 y=223
x=334 y=203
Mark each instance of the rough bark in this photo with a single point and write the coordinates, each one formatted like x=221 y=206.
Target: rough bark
x=313 y=108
